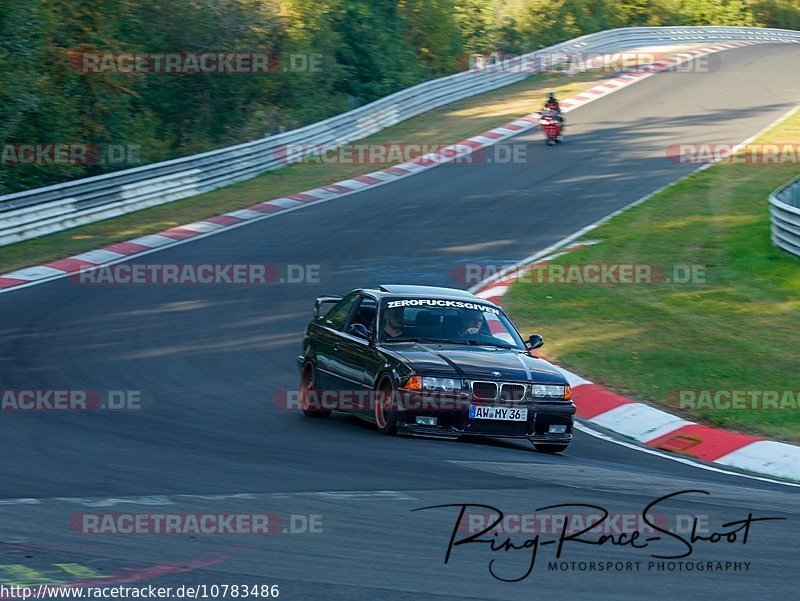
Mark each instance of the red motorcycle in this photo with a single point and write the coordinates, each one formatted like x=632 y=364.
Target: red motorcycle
x=550 y=123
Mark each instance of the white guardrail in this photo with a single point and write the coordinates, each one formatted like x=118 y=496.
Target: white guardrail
x=784 y=213
x=41 y=211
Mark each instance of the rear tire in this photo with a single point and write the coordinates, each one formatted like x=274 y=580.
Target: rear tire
x=386 y=414
x=308 y=390
x=549 y=448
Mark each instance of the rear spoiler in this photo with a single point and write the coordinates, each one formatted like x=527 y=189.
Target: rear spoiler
x=323 y=300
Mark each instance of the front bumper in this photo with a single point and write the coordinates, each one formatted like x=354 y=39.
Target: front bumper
x=452 y=416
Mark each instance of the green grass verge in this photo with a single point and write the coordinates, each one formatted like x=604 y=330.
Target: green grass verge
x=446 y=125
x=740 y=330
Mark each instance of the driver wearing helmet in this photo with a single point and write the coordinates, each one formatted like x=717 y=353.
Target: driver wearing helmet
x=551 y=103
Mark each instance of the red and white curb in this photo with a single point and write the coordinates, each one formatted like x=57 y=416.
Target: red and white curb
x=645 y=424
x=650 y=426
x=122 y=251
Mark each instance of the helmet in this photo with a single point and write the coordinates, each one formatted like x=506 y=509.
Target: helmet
x=551 y=96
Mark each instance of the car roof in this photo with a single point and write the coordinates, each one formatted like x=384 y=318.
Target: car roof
x=424 y=290
x=389 y=290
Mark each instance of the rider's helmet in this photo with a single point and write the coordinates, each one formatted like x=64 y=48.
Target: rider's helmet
x=551 y=96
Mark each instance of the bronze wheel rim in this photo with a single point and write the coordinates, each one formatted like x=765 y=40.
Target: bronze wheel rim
x=305 y=390
x=383 y=402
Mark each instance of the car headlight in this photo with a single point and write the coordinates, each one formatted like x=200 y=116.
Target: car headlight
x=446 y=384
x=429 y=383
x=541 y=391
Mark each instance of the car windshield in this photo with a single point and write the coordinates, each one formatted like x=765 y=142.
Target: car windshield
x=446 y=321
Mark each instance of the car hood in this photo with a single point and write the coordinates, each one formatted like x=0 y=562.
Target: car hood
x=476 y=362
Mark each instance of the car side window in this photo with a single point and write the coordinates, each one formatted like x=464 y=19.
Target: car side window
x=337 y=317
x=365 y=313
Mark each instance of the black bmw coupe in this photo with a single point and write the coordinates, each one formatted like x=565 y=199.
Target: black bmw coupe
x=431 y=361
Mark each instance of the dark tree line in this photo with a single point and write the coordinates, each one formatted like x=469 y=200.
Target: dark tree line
x=366 y=49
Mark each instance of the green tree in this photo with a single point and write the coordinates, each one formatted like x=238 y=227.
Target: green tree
x=330 y=55
x=474 y=22
x=716 y=12
x=374 y=55
x=22 y=82
x=783 y=14
x=432 y=31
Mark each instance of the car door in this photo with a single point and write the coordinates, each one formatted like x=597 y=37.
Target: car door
x=352 y=351
x=327 y=336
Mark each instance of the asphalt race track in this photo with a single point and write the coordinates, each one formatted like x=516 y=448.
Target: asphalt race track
x=210 y=359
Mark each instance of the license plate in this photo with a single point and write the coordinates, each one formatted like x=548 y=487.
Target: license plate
x=508 y=414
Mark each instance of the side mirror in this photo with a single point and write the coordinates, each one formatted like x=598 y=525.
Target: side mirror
x=534 y=341
x=360 y=330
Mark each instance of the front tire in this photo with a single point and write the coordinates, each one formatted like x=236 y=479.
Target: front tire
x=386 y=414
x=549 y=448
x=309 y=391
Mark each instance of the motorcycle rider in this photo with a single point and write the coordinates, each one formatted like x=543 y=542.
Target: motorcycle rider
x=551 y=104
